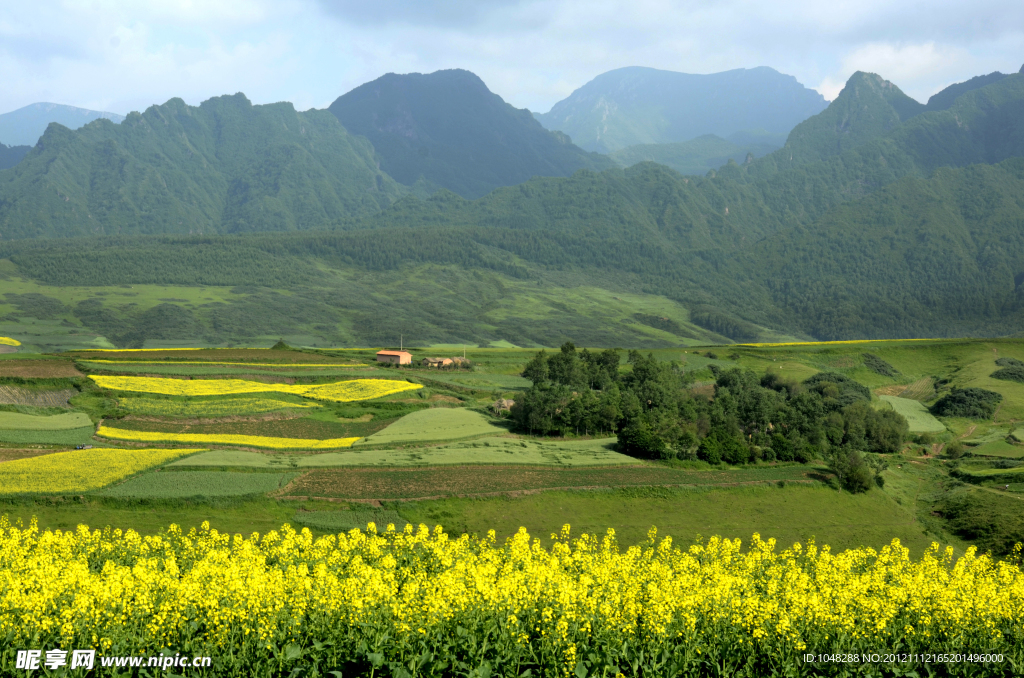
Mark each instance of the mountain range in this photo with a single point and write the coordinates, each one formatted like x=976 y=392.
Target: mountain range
x=24 y=126
x=878 y=217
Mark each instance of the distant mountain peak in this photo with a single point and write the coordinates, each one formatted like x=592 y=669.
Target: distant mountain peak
x=25 y=125
x=636 y=105
x=447 y=129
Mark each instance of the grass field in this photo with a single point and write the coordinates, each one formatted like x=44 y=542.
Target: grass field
x=71 y=436
x=414 y=483
x=789 y=514
x=29 y=422
x=79 y=470
x=438 y=423
x=186 y=484
x=999 y=448
x=917 y=416
x=501 y=451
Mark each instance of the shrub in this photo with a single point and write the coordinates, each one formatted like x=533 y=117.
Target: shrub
x=879 y=366
x=638 y=440
x=1012 y=373
x=974 y=403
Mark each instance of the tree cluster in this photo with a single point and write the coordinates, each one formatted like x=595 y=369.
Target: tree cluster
x=657 y=414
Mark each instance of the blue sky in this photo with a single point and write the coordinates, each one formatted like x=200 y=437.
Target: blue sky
x=122 y=55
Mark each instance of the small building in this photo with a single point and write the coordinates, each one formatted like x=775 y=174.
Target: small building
x=437 y=362
x=394 y=357
x=503 y=405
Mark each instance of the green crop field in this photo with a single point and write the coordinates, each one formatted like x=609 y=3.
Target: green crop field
x=412 y=483
x=503 y=451
x=29 y=422
x=211 y=408
x=70 y=436
x=918 y=417
x=789 y=514
x=439 y=423
x=999 y=448
x=186 y=484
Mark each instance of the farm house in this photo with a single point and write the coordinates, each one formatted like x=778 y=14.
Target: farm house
x=394 y=357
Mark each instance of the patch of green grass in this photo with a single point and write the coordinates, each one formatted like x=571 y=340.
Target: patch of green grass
x=216 y=370
x=260 y=514
x=501 y=451
x=438 y=423
x=186 y=484
x=415 y=483
x=71 y=436
x=29 y=422
x=999 y=448
x=789 y=514
x=919 y=418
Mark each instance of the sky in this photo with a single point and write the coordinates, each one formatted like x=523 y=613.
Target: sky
x=125 y=55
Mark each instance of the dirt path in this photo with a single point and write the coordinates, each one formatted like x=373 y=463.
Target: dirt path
x=969 y=431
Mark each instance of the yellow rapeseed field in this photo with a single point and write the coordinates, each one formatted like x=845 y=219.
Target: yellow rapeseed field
x=422 y=603
x=224 y=439
x=341 y=392
x=7 y=341
x=217 y=363
x=79 y=470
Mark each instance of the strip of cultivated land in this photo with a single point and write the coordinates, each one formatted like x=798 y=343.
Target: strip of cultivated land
x=415 y=483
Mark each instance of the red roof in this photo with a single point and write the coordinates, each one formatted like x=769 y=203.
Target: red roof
x=398 y=353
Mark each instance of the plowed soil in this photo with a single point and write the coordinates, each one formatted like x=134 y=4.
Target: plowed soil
x=38 y=369
x=15 y=395
x=14 y=454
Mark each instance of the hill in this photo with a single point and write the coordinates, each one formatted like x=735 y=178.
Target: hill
x=636 y=105
x=224 y=166
x=448 y=130
x=700 y=155
x=24 y=126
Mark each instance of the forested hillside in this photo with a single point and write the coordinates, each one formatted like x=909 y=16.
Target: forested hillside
x=879 y=218
x=225 y=166
x=446 y=129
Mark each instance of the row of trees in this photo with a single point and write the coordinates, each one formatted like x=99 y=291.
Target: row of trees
x=657 y=414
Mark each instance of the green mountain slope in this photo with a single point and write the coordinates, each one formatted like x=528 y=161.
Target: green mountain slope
x=222 y=167
x=12 y=155
x=635 y=105
x=447 y=129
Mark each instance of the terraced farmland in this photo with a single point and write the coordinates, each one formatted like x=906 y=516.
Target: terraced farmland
x=341 y=392
x=413 y=483
x=437 y=423
x=917 y=416
x=17 y=395
x=497 y=451
x=79 y=470
x=343 y=521
x=31 y=422
x=190 y=484
x=211 y=408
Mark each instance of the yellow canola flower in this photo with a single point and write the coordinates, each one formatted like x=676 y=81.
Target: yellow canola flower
x=224 y=439
x=216 y=363
x=340 y=392
x=80 y=470
x=7 y=341
x=397 y=592
x=833 y=343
